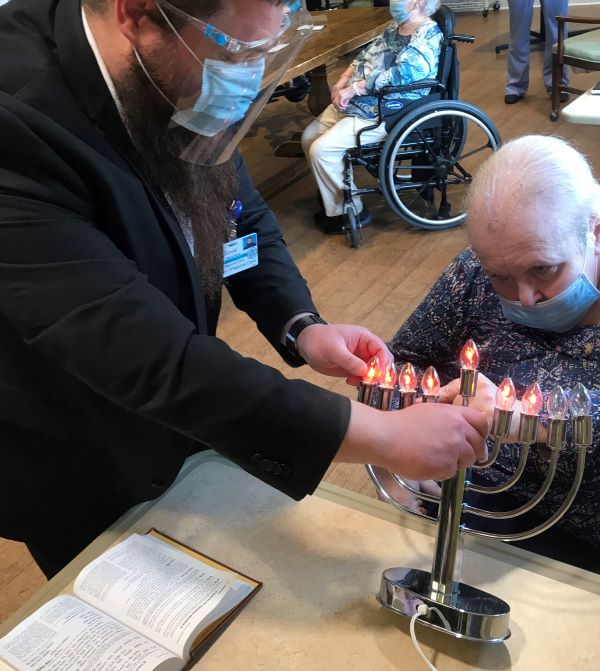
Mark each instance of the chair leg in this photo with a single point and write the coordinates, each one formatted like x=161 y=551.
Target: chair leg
x=557 y=72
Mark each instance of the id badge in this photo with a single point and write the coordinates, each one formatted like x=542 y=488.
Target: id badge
x=240 y=254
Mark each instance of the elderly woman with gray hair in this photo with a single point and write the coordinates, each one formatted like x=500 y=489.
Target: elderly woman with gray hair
x=407 y=51
x=527 y=292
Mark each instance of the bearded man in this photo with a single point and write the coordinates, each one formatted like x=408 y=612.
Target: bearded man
x=118 y=126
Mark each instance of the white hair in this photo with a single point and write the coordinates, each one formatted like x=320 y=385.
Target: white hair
x=540 y=176
x=430 y=7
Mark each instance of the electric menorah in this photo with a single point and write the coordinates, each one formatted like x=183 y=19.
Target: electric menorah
x=452 y=606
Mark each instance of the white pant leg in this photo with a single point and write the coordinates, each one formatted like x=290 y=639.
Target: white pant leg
x=325 y=142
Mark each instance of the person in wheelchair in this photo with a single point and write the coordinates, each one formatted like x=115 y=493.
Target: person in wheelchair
x=408 y=51
x=527 y=292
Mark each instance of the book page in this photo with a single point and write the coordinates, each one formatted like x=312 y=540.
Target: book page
x=155 y=589
x=67 y=634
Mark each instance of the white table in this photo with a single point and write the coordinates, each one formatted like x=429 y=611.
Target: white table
x=321 y=561
x=584 y=109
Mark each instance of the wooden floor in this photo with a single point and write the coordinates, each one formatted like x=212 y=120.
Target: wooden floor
x=379 y=284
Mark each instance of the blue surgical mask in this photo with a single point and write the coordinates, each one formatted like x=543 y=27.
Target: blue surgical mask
x=399 y=11
x=557 y=314
x=228 y=90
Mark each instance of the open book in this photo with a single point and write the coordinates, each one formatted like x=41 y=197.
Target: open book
x=146 y=604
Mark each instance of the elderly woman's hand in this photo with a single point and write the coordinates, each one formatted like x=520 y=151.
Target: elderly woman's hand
x=402 y=495
x=342 y=97
x=484 y=401
x=337 y=87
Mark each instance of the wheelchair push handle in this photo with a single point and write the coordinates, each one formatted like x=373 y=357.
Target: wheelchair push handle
x=462 y=38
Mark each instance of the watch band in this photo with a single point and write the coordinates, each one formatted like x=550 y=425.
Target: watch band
x=295 y=330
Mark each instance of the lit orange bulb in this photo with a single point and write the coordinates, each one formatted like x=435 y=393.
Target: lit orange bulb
x=430 y=384
x=469 y=357
x=506 y=395
x=532 y=400
x=373 y=371
x=407 y=378
x=388 y=377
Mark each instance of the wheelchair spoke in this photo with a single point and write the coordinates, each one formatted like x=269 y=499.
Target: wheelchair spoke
x=418 y=195
x=483 y=147
x=427 y=147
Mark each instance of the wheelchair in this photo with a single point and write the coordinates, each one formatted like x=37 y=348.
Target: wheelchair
x=434 y=144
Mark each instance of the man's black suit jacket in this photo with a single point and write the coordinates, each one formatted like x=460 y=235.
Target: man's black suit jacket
x=110 y=372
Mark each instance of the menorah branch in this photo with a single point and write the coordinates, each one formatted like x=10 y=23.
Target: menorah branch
x=551 y=521
x=433 y=498
x=386 y=496
x=514 y=478
x=521 y=510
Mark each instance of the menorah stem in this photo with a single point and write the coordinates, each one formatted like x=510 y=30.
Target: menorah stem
x=448 y=547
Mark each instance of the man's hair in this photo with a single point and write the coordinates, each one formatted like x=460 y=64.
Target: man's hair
x=538 y=176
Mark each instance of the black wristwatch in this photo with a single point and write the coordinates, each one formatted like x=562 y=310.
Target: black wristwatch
x=296 y=329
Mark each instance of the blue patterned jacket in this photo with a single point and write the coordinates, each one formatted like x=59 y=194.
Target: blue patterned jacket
x=392 y=60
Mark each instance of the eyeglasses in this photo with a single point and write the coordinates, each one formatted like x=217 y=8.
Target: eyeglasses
x=223 y=40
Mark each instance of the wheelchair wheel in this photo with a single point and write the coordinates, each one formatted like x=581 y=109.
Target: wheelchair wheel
x=352 y=227
x=428 y=160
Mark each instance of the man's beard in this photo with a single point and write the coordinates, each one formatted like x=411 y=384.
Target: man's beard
x=199 y=195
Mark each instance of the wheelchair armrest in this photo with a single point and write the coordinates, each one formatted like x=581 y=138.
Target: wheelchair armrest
x=415 y=86
x=462 y=38
x=421 y=84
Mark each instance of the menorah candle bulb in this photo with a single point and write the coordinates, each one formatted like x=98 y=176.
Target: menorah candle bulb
x=505 y=401
x=387 y=382
x=430 y=386
x=469 y=361
x=407 y=383
x=580 y=405
x=531 y=402
x=557 y=406
x=368 y=386
x=580 y=402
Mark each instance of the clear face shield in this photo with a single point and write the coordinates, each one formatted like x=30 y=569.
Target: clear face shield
x=225 y=69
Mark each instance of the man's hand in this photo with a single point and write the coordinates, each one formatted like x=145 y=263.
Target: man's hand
x=426 y=441
x=341 y=350
x=484 y=401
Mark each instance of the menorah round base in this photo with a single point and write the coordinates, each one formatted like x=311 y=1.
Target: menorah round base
x=473 y=614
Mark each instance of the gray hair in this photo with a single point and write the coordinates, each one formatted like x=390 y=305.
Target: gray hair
x=536 y=174
x=430 y=7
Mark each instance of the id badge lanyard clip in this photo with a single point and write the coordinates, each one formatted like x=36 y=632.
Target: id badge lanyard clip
x=235 y=211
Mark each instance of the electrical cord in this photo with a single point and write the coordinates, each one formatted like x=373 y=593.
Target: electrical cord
x=422 y=610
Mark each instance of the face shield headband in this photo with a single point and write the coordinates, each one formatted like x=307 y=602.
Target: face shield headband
x=226 y=80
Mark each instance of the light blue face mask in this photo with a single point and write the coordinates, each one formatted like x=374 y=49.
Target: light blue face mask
x=399 y=11
x=228 y=90
x=557 y=314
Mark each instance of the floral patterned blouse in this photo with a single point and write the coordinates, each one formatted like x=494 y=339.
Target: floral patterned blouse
x=461 y=305
x=394 y=59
